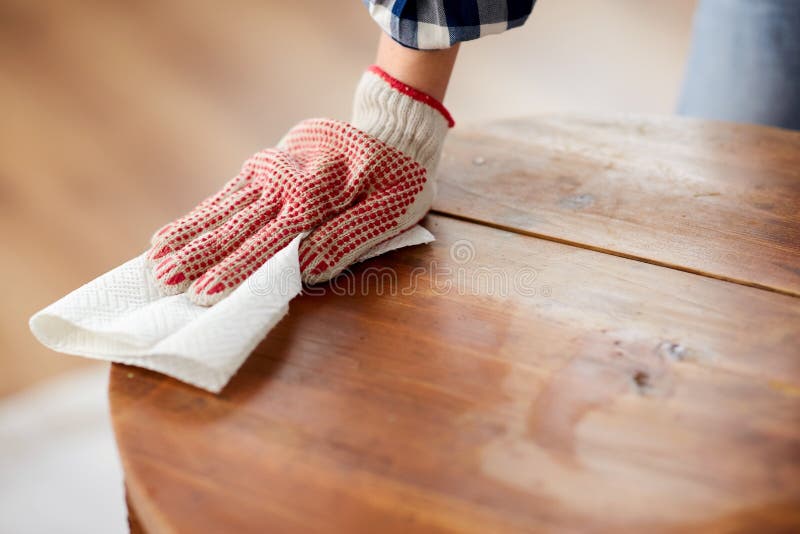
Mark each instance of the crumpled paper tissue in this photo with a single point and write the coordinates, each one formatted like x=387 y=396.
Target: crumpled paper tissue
x=121 y=317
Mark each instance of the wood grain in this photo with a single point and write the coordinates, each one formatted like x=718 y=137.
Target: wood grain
x=522 y=385
x=717 y=199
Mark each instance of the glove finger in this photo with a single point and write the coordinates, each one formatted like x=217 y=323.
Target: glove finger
x=202 y=219
x=177 y=271
x=219 y=281
x=339 y=242
x=248 y=174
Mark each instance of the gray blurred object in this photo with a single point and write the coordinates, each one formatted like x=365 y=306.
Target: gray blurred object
x=744 y=63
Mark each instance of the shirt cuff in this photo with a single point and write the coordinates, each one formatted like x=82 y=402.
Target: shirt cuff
x=434 y=24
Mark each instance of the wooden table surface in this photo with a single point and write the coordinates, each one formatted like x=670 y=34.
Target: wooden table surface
x=604 y=337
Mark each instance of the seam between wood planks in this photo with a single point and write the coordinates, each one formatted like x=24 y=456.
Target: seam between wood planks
x=617 y=253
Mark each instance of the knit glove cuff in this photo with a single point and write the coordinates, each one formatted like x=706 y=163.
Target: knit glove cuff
x=403 y=117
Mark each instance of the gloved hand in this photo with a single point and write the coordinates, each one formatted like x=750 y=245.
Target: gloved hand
x=351 y=185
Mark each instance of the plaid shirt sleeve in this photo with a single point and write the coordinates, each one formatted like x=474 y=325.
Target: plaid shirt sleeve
x=433 y=24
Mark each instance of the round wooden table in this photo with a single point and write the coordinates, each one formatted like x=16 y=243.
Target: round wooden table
x=604 y=336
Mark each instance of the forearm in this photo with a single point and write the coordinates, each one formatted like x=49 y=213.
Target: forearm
x=426 y=70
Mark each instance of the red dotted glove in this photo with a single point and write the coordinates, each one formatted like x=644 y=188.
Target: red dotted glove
x=351 y=190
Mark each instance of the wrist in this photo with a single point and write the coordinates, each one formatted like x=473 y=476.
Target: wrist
x=427 y=70
x=412 y=92
x=401 y=116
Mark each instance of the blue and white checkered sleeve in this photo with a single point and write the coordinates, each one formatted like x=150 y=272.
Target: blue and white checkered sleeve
x=434 y=24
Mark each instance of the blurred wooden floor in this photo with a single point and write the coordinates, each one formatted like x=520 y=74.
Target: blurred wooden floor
x=117 y=117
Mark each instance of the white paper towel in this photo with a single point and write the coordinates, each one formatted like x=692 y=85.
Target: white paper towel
x=121 y=317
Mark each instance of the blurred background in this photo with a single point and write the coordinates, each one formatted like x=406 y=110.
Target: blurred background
x=119 y=116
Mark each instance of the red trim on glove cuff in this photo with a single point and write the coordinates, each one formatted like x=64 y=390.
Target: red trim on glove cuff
x=416 y=94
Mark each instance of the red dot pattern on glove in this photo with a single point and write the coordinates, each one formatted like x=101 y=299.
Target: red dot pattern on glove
x=351 y=190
